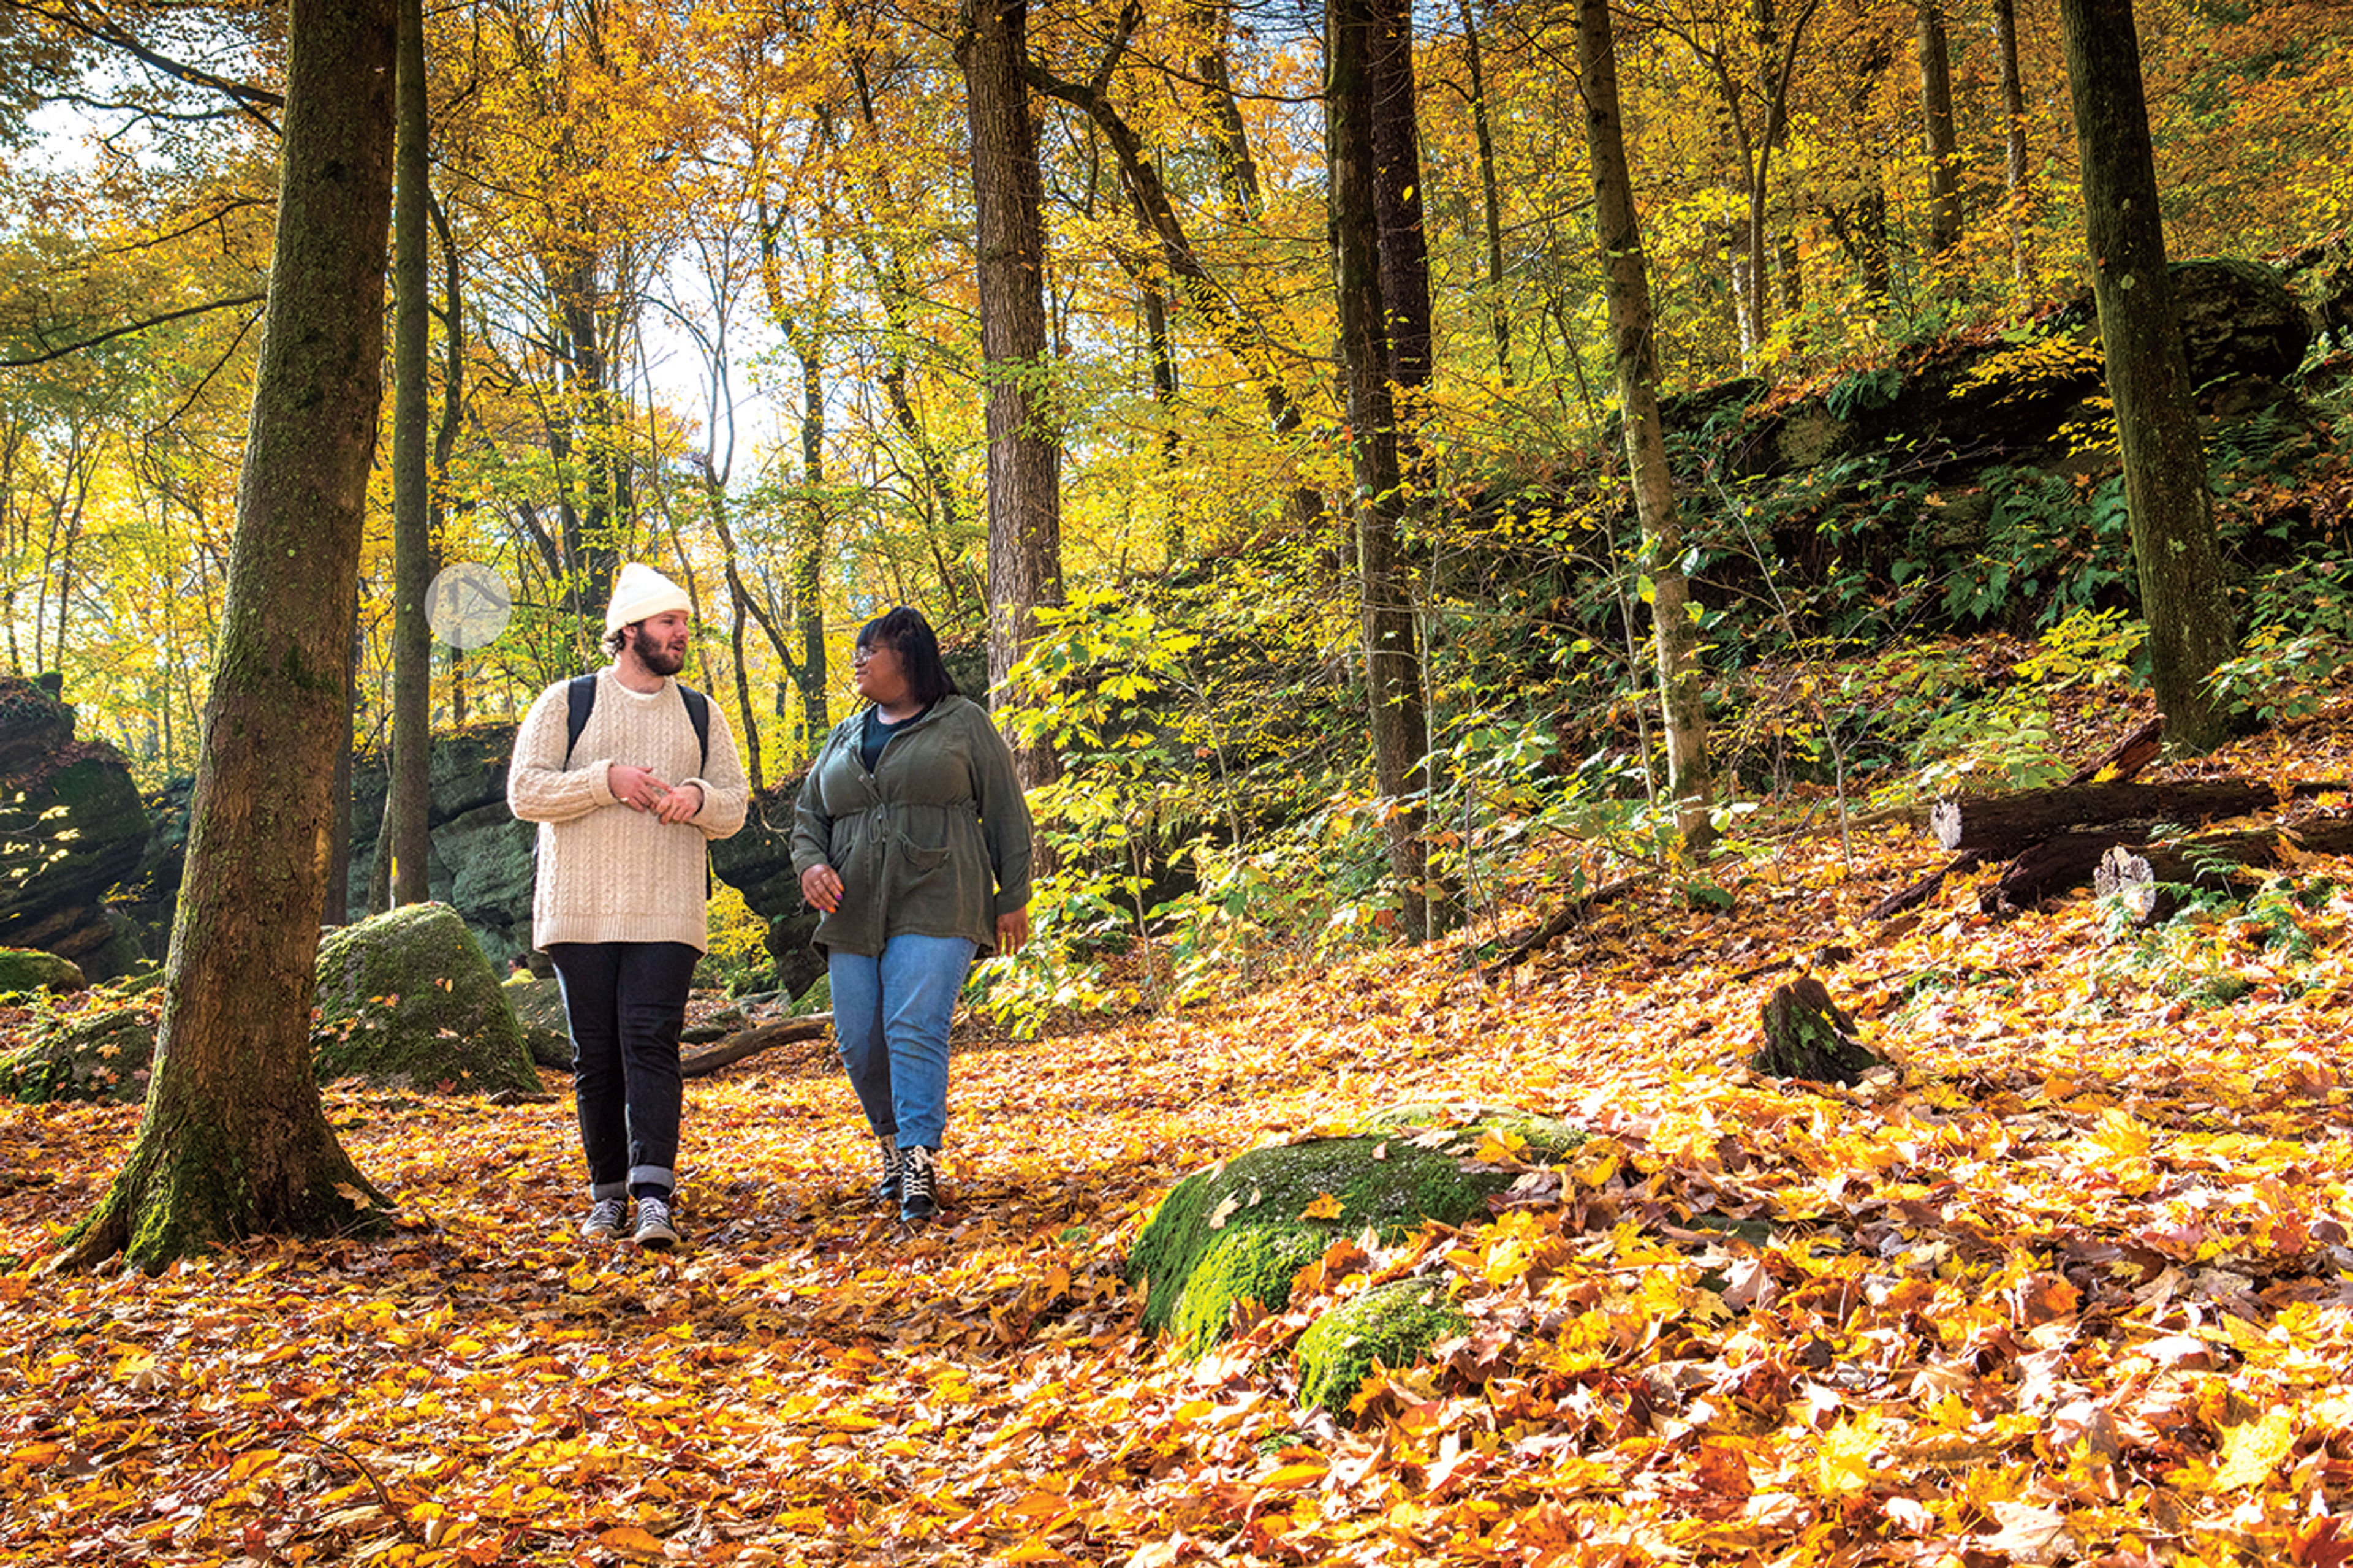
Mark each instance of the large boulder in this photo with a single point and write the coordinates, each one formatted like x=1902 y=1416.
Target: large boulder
x=105 y=1056
x=2238 y=320
x=481 y=858
x=30 y=969
x=71 y=828
x=539 y=1009
x=408 y=997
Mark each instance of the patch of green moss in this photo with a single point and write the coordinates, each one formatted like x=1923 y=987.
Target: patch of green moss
x=1390 y=1183
x=1547 y=1139
x=1391 y=1325
x=1246 y=1263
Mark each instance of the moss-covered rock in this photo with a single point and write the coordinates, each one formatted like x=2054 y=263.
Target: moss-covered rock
x=1390 y=1324
x=539 y=1011
x=102 y=1058
x=408 y=997
x=1421 y=1165
x=1253 y=1263
x=30 y=969
x=818 y=998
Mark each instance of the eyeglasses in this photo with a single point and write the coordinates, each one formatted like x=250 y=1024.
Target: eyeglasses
x=861 y=655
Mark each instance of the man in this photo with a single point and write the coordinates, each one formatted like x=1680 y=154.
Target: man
x=627 y=783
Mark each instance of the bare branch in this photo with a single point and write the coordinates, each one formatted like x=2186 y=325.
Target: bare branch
x=126 y=330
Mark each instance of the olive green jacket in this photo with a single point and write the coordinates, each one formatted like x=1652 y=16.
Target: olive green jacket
x=934 y=841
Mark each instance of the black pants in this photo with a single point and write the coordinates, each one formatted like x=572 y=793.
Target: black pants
x=625 y=1003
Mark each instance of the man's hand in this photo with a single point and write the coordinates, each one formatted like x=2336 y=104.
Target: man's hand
x=821 y=886
x=680 y=804
x=1012 y=928
x=639 y=789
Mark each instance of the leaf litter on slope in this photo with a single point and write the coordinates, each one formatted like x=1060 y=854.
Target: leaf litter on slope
x=2067 y=1282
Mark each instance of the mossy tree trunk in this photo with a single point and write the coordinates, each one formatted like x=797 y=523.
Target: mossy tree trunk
x=2166 y=491
x=1025 y=445
x=1627 y=283
x=235 y=1141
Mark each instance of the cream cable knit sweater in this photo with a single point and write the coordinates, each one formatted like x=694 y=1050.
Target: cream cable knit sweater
x=608 y=873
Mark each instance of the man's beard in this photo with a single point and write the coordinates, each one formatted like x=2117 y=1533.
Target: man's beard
x=659 y=659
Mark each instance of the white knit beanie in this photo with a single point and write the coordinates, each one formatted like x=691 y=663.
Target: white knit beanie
x=641 y=592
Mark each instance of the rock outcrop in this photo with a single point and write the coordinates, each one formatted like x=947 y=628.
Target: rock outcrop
x=72 y=826
x=758 y=863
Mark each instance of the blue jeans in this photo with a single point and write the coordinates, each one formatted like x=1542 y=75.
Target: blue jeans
x=891 y=1019
x=626 y=1001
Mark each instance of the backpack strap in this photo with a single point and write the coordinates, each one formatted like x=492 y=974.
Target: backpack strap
x=698 y=711
x=580 y=701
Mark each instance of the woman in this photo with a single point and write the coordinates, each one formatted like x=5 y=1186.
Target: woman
x=913 y=840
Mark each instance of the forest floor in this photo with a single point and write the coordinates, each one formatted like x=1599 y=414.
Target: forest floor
x=2071 y=1282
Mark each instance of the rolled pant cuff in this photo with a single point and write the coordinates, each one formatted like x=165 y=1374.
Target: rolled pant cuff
x=652 y=1176
x=599 y=1191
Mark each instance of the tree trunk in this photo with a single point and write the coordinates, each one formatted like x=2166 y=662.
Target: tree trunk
x=410 y=779
x=2015 y=173
x=1024 y=453
x=809 y=670
x=1392 y=654
x=1499 y=316
x=1237 y=169
x=1627 y=284
x=1936 y=112
x=235 y=1141
x=2172 y=513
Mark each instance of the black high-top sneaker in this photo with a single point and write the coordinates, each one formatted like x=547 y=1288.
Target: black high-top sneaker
x=916 y=1183
x=887 y=1189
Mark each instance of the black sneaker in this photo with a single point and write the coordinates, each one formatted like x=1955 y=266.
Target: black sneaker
x=887 y=1189
x=606 y=1217
x=916 y=1183
x=656 y=1229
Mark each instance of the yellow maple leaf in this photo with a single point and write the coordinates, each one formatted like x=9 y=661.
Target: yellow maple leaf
x=1500 y=1146
x=1842 y=1464
x=1326 y=1206
x=2251 y=1449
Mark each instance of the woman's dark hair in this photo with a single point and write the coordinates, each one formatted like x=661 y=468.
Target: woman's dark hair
x=908 y=635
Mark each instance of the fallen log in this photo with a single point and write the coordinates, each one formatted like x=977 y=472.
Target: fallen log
x=1566 y=916
x=751 y=1042
x=2127 y=756
x=2145 y=874
x=2004 y=825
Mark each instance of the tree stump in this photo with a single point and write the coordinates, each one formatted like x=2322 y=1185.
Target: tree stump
x=1810 y=1037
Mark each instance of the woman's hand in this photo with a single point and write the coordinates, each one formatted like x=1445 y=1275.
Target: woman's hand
x=821 y=886
x=1012 y=928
